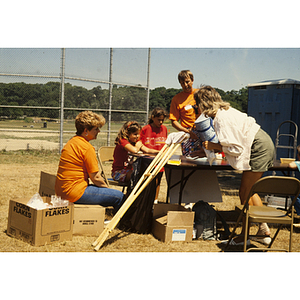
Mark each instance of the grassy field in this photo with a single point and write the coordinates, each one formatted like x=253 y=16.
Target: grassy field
x=68 y=125
x=19 y=178
x=34 y=134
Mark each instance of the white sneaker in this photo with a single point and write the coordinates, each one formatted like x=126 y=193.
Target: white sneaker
x=189 y=206
x=260 y=239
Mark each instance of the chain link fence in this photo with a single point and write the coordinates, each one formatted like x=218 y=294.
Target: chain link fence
x=42 y=91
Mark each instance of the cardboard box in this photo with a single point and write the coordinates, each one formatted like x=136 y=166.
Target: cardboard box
x=88 y=219
x=39 y=227
x=47 y=184
x=278 y=202
x=172 y=222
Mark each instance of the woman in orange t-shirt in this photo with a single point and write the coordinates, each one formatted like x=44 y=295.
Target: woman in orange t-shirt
x=78 y=163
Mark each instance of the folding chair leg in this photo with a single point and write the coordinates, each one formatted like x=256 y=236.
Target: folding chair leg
x=291 y=234
x=234 y=229
x=291 y=231
x=246 y=228
x=275 y=235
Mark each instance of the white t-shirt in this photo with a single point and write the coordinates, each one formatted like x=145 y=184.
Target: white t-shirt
x=236 y=132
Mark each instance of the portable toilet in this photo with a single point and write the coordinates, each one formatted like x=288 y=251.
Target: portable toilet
x=273 y=102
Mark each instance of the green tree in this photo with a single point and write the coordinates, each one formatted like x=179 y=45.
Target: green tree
x=237 y=99
x=162 y=97
x=123 y=98
x=99 y=98
x=50 y=94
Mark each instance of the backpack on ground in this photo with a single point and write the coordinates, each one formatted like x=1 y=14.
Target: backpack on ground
x=206 y=219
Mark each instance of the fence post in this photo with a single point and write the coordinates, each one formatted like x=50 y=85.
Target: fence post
x=110 y=97
x=148 y=80
x=62 y=98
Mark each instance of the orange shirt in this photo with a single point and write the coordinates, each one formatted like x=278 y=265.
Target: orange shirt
x=78 y=159
x=182 y=109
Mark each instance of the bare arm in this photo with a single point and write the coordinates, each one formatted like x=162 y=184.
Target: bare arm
x=147 y=150
x=133 y=149
x=212 y=146
x=140 y=147
x=178 y=126
x=97 y=179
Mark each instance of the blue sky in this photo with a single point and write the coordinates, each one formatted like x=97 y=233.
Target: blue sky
x=224 y=68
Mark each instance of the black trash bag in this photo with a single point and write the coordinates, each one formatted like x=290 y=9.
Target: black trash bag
x=207 y=216
x=138 y=218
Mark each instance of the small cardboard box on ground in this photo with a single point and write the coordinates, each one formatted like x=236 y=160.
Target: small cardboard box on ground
x=39 y=227
x=88 y=219
x=172 y=222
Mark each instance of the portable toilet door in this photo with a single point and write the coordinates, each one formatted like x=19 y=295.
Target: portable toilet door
x=273 y=102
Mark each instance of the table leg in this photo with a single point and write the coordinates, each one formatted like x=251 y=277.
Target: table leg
x=181 y=187
x=182 y=182
x=168 y=185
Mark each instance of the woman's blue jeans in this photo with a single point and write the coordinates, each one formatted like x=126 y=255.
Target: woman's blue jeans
x=297 y=206
x=102 y=196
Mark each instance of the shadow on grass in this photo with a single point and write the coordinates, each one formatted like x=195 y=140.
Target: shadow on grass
x=115 y=238
x=252 y=247
x=229 y=180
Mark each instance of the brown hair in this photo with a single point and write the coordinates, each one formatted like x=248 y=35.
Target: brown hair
x=127 y=129
x=185 y=74
x=88 y=119
x=209 y=101
x=156 y=113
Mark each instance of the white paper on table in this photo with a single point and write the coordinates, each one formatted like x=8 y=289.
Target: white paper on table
x=211 y=156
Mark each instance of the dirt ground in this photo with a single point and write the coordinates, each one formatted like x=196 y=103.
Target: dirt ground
x=20 y=178
x=24 y=140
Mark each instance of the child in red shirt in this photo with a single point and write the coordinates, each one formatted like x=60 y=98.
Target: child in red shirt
x=155 y=133
x=154 y=136
x=127 y=142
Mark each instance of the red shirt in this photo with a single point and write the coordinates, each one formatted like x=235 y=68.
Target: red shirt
x=154 y=137
x=121 y=157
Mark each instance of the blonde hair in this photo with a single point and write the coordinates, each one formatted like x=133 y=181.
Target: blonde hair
x=127 y=129
x=88 y=119
x=185 y=74
x=209 y=101
x=156 y=113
